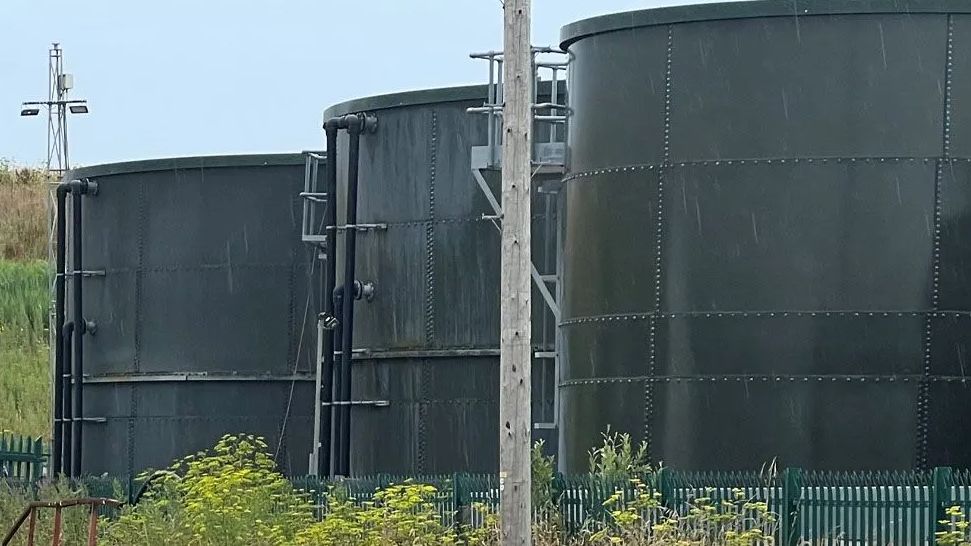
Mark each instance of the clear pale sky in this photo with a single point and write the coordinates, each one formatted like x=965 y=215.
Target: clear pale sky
x=179 y=77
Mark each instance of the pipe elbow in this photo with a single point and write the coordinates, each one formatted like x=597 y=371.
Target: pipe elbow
x=82 y=186
x=332 y=124
x=354 y=123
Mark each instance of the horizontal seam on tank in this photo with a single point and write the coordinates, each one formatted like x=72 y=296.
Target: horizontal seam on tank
x=792 y=378
x=457 y=401
x=411 y=402
x=179 y=376
x=391 y=402
x=454 y=220
x=456 y=347
x=204 y=267
x=367 y=355
x=759 y=314
x=196 y=417
x=759 y=161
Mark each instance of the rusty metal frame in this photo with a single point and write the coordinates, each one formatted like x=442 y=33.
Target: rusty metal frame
x=30 y=513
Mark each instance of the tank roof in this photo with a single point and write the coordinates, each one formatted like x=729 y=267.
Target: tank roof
x=748 y=9
x=408 y=98
x=193 y=162
x=420 y=97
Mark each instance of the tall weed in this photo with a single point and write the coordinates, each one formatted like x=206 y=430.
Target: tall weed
x=229 y=495
x=23 y=213
x=24 y=295
x=15 y=496
x=24 y=355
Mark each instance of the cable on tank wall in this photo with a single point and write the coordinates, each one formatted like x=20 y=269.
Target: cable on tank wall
x=296 y=360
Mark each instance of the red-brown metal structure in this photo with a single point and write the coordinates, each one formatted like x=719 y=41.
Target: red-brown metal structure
x=30 y=515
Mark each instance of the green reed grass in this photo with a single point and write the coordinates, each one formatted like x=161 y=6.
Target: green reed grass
x=24 y=296
x=24 y=355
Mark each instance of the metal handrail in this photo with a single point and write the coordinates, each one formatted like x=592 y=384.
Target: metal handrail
x=557 y=113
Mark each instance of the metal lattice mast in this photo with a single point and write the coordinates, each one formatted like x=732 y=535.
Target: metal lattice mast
x=57 y=159
x=58 y=106
x=55 y=67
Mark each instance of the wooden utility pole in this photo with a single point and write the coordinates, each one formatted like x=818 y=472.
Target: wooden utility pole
x=516 y=263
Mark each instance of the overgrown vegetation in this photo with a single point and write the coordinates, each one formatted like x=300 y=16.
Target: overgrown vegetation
x=23 y=213
x=233 y=495
x=618 y=458
x=402 y=514
x=230 y=495
x=14 y=497
x=23 y=299
x=24 y=374
x=641 y=521
x=955 y=530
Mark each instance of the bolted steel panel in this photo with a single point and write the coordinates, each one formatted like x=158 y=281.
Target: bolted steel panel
x=764 y=246
x=436 y=273
x=204 y=313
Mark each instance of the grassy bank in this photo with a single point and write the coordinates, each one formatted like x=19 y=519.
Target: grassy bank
x=23 y=214
x=24 y=374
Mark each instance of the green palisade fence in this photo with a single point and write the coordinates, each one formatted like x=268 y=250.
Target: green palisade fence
x=22 y=457
x=819 y=508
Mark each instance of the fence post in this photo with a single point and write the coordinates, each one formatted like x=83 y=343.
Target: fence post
x=791 y=494
x=34 y=447
x=457 y=499
x=940 y=497
x=556 y=489
x=665 y=486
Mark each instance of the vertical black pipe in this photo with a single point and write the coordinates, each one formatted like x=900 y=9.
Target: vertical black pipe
x=354 y=127
x=330 y=278
x=79 y=329
x=337 y=452
x=67 y=412
x=59 y=291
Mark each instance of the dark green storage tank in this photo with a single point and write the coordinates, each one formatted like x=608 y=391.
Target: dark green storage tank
x=767 y=246
x=427 y=344
x=202 y=311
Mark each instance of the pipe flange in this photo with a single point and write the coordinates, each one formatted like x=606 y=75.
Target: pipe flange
x=369 y=122
x=367 y=290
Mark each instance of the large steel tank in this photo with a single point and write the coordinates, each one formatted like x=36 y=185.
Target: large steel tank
x=202 y=296
x=425 y=369
x=766 y=247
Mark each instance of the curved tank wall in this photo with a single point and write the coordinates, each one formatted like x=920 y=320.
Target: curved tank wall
x=428 y=341
x=766 y=252
x=202 y=326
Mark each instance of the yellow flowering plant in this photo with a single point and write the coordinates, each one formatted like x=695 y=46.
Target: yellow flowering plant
x=230 y=495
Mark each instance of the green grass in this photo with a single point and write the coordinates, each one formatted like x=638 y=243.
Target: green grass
x=23 y=299
x=24 y=356
x=24 y=369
